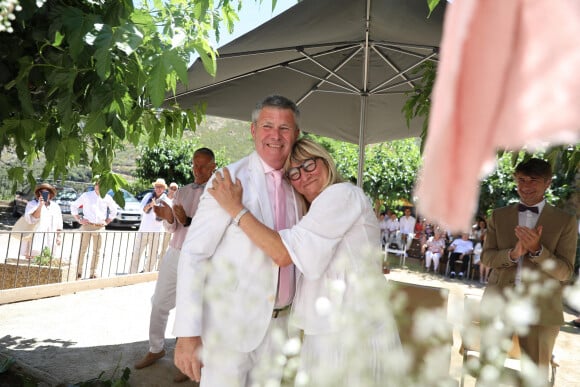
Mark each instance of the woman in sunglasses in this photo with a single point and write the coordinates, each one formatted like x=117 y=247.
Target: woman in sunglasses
x=350 y=336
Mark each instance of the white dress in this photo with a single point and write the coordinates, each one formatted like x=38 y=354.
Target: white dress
x=45 y=233
x=340 y=299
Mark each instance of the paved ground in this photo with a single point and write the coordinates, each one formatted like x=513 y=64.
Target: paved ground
x=75 y=337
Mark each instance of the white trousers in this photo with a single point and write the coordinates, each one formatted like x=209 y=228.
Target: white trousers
x=163 y=299
x=430 y=256
x=148 y=243
x=261 y=367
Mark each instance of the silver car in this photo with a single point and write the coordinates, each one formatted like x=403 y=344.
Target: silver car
x=128 y=216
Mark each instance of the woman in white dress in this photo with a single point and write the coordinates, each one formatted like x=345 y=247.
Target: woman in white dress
x=48 y=217
x=350 y=337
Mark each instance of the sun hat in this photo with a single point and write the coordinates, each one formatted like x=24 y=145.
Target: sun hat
x=160 y=182
x=45 y=186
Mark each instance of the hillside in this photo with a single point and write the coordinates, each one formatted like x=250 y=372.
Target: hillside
x=230 y=136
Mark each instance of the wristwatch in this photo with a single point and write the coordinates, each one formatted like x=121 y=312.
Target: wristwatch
x=536 y=253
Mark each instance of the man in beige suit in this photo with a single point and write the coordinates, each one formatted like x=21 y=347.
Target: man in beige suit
x=532 y=237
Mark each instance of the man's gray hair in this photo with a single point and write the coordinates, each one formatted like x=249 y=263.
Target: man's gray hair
x=279 y=102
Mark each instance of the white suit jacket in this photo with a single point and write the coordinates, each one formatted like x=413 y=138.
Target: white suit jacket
x=226 y=286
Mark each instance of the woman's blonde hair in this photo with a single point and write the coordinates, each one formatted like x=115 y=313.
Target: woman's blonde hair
x=305 y=148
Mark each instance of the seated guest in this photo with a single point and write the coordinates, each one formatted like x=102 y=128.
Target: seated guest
x=383 y=226
x=434 y=246
x=392 y=225
x=461 y=249
x=407 y=227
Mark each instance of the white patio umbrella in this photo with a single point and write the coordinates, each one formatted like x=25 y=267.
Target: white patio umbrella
x=348 y=64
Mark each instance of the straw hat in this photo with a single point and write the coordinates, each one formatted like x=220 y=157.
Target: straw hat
x=160 y=182
x=45 y=186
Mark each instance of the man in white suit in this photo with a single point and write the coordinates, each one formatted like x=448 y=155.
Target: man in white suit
x=231 y=298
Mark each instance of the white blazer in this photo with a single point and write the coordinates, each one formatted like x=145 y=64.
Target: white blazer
x=226 y=286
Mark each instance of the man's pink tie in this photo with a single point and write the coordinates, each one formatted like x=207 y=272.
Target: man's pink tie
x=286 y=274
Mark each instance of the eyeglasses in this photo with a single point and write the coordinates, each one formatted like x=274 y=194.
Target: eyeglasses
x=173 y=188
x=308 y=165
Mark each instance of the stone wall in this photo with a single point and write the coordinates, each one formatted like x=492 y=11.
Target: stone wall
x=18 y=275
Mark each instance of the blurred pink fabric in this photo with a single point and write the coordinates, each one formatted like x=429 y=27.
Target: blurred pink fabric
x=507 y=78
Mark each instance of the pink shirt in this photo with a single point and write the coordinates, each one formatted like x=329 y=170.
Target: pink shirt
x=188 y=197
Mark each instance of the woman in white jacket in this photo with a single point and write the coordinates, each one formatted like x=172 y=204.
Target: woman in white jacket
x=350 y=337
x=47 y=216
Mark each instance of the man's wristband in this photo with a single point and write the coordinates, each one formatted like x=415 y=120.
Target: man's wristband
x=510 y=258
x=236 y=219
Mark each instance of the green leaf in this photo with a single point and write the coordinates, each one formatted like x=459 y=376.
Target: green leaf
x=52 y=140
x=118 y=127
x=95 y=123
x=156 y=83
x=432 y=4
x=178 y=64
x=73 y=23
x=128 y=38
x=58 y=38
x=208 y=59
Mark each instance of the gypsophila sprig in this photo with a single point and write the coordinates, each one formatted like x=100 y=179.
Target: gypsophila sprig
x=7 y=9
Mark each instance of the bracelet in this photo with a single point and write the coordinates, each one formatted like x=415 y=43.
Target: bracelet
x=236 y=219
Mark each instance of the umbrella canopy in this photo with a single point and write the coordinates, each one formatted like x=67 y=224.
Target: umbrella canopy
x=348 y=64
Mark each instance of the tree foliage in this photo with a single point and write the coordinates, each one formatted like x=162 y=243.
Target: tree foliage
x=80 y=77
x=390 y=168
x=499 y=189
x=171 y=160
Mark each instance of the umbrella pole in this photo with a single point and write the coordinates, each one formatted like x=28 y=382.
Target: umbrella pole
x=361 y=140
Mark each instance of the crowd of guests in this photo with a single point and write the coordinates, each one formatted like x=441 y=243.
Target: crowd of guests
x=434 y=242
x=93 y=213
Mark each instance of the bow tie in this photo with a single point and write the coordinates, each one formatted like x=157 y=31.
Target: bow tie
x=523 y=207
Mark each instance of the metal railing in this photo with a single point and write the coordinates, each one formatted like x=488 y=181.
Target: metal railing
x=40 y=258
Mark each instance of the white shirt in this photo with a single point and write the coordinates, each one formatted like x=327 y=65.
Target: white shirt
x=528 y=219
x=392 y=225
x=407 y=224
x=462 y=246
x=50 y=216
x=149 y=222
x=95 y=208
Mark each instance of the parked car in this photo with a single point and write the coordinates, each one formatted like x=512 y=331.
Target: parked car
x=64 y=195
x=128 y=216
